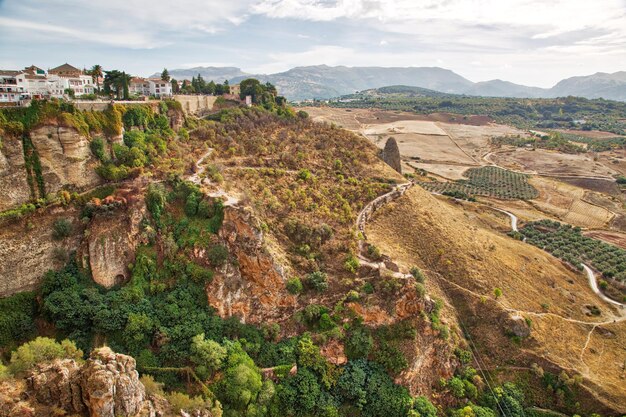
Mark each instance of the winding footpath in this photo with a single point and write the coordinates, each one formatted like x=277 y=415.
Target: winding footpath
x=197 y=179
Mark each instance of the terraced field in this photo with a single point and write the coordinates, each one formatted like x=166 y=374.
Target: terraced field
x=488 y=181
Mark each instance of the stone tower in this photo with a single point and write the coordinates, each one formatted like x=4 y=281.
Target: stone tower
x=391 y=154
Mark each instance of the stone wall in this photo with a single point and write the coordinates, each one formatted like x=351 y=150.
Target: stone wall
x=196 y=105
x=14 y=187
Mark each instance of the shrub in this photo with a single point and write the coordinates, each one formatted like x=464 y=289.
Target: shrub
x=4 y=372
x=457 y=387
x=368 y=288
x=199 y=274
x=351 y=264
x=417 y=274
x=304 y=174
x=359 y=343
x=294 y=285
x=317 y=281
x=17 y=314
x=497 y=292
x=217 y=255
x=419 y=288
x=373 y=253
x=40 y=350
x=61 y=228
x=98 y=148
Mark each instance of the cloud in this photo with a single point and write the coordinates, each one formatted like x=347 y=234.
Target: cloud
x=136 y=24
x=136 y=40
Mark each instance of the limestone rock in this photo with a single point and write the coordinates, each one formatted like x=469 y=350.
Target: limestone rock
x=111 y=241
x=57 y=384
x=66 y=158
x=14 y=187
x=253 y=289
x=391 y=154
x=107 y=385
x=28 y=251
x=110 y=385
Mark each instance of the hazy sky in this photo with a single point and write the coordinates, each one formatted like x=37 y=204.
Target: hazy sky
x=533 y=42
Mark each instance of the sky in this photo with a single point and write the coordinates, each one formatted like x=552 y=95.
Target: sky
x=531 y=42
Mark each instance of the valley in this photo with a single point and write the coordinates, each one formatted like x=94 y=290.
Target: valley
x=280 y=241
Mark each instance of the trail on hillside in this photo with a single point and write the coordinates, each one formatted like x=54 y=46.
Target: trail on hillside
x=197 y=179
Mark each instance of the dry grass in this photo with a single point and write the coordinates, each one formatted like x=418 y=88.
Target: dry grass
x=567 y=203
x=471 y=261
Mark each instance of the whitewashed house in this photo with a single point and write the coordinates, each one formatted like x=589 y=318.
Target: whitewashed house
x=160 y=88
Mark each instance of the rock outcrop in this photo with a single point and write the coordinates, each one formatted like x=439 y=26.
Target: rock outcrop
x=28 y=250
x=110 y=385
x=66 y=159
x=111 y=239
x=391 y=154
x=107 y=385
x=14 y=187
x=254 y=289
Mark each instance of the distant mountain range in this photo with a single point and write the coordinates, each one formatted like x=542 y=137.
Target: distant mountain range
x=323 y=82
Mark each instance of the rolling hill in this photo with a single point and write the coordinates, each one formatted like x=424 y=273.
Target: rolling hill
x=323 y=82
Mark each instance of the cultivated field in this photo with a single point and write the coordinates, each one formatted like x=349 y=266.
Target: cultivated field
x=488 y=181
x=553 y=163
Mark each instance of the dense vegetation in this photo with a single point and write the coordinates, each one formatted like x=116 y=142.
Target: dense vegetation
x=486 y=181
x=526 y=113
x=308 y=181
x=568 y=243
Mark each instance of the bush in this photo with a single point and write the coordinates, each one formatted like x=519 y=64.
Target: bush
x=351 y=264
x=457 y=387
x=217 y=255
x=61 y=228
x=294 y=286
x=40 y=350
x=98 y=148
x=317 y=280
x=304 y=174
x=368 y=288
x=417 y=274
x=17 y=314
x=359 y=343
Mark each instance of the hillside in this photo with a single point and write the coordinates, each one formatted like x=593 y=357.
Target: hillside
x=216 y=74
x=258 y=263
x=464 y=262
x=324 y=82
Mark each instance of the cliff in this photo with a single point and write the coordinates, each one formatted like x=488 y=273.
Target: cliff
x=14 y=187
x=65 y=158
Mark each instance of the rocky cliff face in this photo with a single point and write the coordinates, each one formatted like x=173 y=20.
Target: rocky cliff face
x=111 y=239
x=254 y=290
x=28 y=250
x=391 y=155
x=107 y=385
x=14 y=187
x=66 y=159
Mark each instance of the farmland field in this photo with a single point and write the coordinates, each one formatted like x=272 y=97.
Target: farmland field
x=488 y=181
x=569 y=244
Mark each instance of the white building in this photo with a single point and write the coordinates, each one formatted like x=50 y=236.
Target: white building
x=160 y=88
x=139 y=86
x=67 y=77
x=10 y=90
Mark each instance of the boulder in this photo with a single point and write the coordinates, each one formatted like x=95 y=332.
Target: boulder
x=517 y=326
x=391 y=154
x=57 y=384
x=110 y=385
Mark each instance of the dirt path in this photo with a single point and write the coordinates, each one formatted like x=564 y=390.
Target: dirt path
x=196 y=178
x=365 y=214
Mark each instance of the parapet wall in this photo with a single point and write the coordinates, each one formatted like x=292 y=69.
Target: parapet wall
x=196 y=105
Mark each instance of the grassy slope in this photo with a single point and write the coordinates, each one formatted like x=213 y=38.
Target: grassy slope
x=467 y=262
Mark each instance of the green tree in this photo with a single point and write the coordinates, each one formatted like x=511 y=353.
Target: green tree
x=207 y=355
x=96 y=74
x=165 y=75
